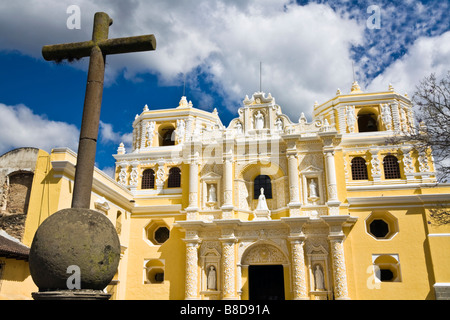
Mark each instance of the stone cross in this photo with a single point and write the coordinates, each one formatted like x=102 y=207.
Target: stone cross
x=96 y=49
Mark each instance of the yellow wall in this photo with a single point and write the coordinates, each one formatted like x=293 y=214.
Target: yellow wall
x=15 y=280
x=140 y=249
x=44 y=199
x=409 y=243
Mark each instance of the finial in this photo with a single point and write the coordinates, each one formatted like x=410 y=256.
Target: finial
x=355 y=87
x=145 y=108
x=183 y=102
x=121 y=149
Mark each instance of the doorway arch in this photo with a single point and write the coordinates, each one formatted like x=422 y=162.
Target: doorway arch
x=265 y=266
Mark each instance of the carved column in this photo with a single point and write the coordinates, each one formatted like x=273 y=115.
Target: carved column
x=376 y=168
x=229 y=269
x=341 y=119
x=331 y=176
x=297 y=241
x=228 y=182
x=336 y=238
x=339 y=269
x=143 y=134
x=228 y=240
x=298 y=269
x=395 y=116
x=293 y=179
x=227 y=207
x=408 y=164
x=191 y=285
x=192 y=209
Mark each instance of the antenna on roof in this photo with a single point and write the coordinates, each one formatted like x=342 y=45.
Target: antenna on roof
x=260 y=77
x=353 y=68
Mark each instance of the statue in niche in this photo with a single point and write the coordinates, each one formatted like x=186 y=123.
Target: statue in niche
x=212 y=279
x=319 y=279
x=313 y=189
x=279 y=124
x=262 y=204
x=259 y=121
x=239 y=128
x=212 y=194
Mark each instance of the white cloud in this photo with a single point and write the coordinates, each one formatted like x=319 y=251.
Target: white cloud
x=107 y=135
x=427 y=55
x=20 y=127
x=305 y=49
x=110 y=171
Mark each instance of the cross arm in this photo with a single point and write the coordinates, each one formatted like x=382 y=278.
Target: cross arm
x=78 y=50
x=128 y=44
x=70 y=51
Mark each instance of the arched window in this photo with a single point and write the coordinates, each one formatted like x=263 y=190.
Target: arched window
x=148 y=179
x=168 y=137
x=359 y=169
x=174 y=180
x=262 y=181
x=391 y=167
x=367 y=122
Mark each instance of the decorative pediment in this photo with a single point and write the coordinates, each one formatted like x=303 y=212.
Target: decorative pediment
x=311 y=169
x=259 y=98
x=211 y=176
x=318 y=250
x=263 y=254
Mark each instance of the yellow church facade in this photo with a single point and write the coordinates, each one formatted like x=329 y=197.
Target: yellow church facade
x=266 y=207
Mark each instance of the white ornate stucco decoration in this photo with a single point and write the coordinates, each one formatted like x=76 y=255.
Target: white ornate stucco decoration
x=259 y=121
x=184 y=103
x=262 y=211
x=386 y=115
x=149 y=133
x=351 y=118
x=180 y=131
x=263 y=254
x=134 y=175
x=102 y=205
x=123 y=176
x=408 y=162
x=121 y=149
x=160 y=176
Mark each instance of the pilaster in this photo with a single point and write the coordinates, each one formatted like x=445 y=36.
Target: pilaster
x=336 y=238
x=192 y=209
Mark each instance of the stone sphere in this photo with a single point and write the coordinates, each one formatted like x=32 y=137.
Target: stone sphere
x=82 y=238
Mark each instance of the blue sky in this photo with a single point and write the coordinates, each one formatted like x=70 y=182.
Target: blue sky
x=306 y=47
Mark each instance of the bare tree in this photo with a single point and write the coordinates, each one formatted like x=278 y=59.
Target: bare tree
x=432 y=101
x=432 y=134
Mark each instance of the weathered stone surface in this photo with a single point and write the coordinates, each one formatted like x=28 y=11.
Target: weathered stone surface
x=19 y=192
x=80 y=237
x=14 y=224
x=71 y=295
